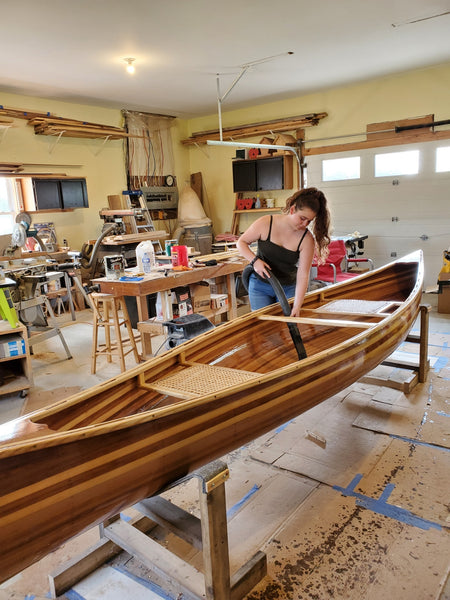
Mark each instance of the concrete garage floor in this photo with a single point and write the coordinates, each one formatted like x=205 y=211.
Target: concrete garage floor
x=349 y=501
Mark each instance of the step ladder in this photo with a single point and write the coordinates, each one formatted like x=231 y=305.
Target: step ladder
x=142 y=220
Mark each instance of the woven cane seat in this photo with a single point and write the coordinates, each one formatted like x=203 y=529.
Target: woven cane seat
x=199 y=380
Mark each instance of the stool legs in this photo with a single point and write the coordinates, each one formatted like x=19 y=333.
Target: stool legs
x=106 y=314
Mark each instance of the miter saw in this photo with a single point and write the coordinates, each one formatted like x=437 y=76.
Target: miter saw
x=21 y=231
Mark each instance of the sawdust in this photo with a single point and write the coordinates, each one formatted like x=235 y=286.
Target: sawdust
x=329 y=565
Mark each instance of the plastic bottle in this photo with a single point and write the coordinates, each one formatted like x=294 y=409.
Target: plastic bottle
x=146 y=264
x=145 y=248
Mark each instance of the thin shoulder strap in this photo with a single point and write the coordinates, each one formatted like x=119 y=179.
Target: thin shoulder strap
x=300 y=242
x=270 y=228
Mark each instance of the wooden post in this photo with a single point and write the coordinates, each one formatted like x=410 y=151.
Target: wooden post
x=424 y=363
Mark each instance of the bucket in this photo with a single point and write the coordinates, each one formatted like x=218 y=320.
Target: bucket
x=179 y=256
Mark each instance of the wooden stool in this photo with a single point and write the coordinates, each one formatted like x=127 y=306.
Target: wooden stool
x=106 y=314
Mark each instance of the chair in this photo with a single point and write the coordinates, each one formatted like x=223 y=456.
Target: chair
x=331 y=271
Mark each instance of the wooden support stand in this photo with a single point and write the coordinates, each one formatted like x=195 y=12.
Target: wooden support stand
x=418 y=369
x=208 y=534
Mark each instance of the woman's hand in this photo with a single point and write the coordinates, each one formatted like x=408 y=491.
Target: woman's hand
x=262 y=268
x=295 y=312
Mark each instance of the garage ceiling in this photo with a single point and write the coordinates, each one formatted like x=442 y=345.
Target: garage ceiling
x=74 y=51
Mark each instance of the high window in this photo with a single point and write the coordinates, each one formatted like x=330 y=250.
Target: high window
x=397 y=163
x=339 y=169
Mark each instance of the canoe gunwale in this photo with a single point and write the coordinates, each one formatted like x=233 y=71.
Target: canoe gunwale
x=138 y=373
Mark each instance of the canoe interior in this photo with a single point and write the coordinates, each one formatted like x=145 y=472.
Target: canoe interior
x=227 y=355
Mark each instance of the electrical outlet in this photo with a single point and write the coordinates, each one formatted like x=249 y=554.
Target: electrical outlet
x=394 y=254
x=394 y=219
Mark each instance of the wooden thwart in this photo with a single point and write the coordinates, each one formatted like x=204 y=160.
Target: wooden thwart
x=310 y=321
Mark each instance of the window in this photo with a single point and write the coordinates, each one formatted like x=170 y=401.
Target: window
x=7 y=205
x=443 y=159
x=338 y=169
x=397 y=163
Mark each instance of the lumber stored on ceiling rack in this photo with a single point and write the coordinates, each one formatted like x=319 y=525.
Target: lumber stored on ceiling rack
x=253 y=129
x=48 y=124
x=72 y=128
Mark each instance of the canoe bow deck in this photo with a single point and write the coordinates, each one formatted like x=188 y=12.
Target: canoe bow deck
x=79 y=461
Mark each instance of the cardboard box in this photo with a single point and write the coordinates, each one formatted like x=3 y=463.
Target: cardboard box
x=444 y=293
x=201 y=297
x=181 y=302
x=12 y=345
x=219 y=301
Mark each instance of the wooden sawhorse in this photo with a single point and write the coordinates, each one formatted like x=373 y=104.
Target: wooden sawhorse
x=209 y=533
x=418 y=368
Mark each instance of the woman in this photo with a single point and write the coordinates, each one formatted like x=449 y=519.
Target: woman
x=286 y=248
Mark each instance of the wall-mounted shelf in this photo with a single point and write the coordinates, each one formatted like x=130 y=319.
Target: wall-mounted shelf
x=15 y=371
x=252 y=211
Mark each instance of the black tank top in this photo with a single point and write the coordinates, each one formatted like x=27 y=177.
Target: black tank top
x=283 y=262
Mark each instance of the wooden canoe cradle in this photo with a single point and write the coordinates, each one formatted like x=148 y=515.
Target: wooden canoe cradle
x=208 y=534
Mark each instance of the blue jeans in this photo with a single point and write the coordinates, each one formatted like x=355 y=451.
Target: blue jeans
x=261 y=293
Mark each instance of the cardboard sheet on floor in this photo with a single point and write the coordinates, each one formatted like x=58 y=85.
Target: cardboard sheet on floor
x=108 y=582
x=419 y=415
x=346 y=448
x=331 y=548
x=419 y=476
x=263 y=515
x=38 y=399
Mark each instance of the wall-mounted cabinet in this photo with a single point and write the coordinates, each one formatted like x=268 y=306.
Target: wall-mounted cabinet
x=268 y=173
x=60 y=194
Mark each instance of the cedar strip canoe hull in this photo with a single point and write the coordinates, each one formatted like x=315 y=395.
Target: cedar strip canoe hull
x=70 y=466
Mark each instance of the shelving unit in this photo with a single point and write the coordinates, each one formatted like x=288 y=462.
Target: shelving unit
x=251 y=211
x=15 y=371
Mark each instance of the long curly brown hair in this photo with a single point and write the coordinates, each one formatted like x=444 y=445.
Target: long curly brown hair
x=315 y=200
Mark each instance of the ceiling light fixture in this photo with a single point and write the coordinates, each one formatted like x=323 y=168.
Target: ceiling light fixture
x=130 y=67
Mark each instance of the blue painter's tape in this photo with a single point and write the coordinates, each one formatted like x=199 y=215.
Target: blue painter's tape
x=281 y=427
x=125 y=517
x=441 y=363
x=382 y=507
x=442 y=413
x=233 y=510
x=73 y=595
x=419 y=443
x=144 y=582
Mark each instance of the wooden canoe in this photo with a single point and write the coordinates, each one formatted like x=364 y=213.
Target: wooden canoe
x=83 y=459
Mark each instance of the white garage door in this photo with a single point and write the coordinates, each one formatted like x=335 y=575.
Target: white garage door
x=398 y=196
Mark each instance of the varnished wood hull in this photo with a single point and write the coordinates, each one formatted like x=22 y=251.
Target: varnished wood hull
x=66 y=468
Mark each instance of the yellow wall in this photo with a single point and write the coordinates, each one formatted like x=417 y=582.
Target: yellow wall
x=349 y=110
x=102 y=164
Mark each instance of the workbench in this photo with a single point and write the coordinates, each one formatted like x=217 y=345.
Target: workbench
x=167 y=280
